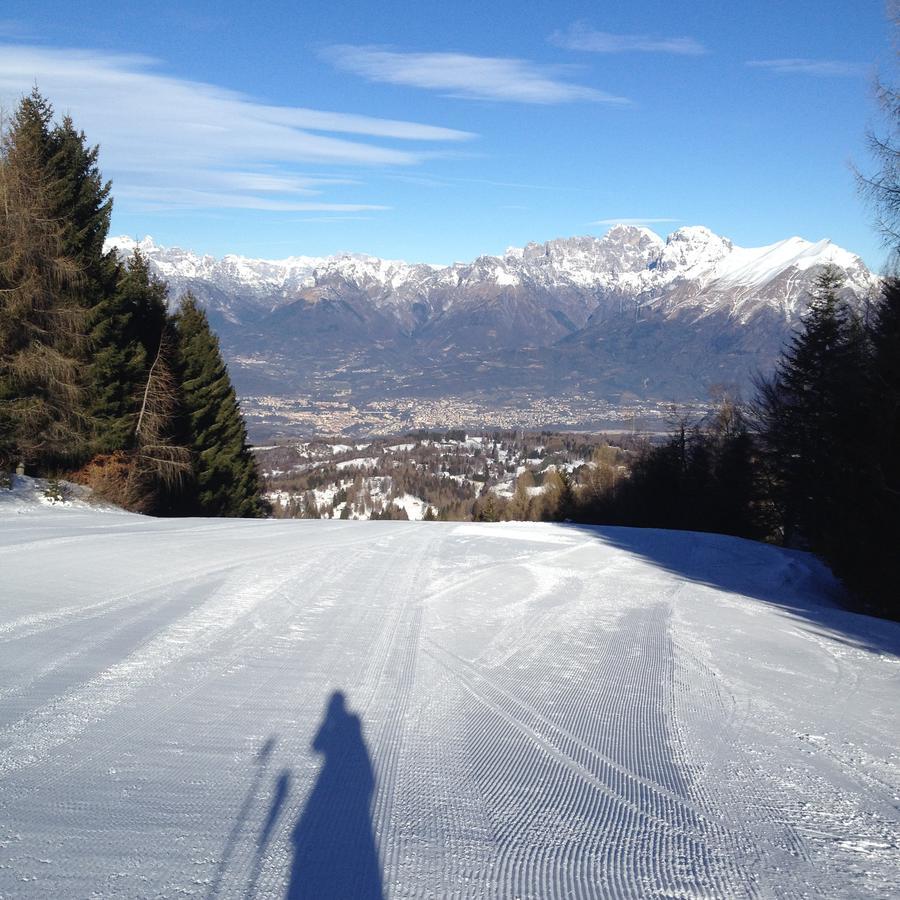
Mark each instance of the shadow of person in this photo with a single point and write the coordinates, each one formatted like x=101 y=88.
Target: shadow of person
x=334 y=849
x=279 y=798
x=261 y=762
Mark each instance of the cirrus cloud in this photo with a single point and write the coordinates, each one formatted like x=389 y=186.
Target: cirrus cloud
x=466 y=76
x=822 y=68
x=580 y=36
x=167 y=140
x=635 y=220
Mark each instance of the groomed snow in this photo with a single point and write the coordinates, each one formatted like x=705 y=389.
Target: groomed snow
x=528 y=710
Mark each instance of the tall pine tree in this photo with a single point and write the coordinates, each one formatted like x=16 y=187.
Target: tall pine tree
x=870 y=534
x=128 y=325
x=806 y=417
x=82 y=201
x=41 y=325
x=226 y=481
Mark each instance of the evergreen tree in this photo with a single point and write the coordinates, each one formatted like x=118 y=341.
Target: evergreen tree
x=703 y=478
x=806 y=417
x=565 y=498
x=736 y=496
x=7 y=431
x=128 y=325
x=653 y=496
x=485 y=508
x=81 y=200
x=865 y=552
x=734 y=499
x=224 y=469
x=51 y=172
x=871 y=562
x=310 y=507
x=831 y=442
x=41 y=416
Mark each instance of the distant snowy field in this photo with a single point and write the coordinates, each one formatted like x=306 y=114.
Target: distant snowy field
x=543 y=711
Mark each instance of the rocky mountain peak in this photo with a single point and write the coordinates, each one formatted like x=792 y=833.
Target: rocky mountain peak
x=629 y=260
x=693 y=247
x=632 y=235
x=626 y=314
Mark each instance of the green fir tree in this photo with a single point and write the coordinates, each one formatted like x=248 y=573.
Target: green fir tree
x=806 y=414
x=81 y=200
x=128 y=325
x=868 y=535
x=41 y=326
x=226 y=480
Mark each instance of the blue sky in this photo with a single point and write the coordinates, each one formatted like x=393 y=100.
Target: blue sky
x=438 y=131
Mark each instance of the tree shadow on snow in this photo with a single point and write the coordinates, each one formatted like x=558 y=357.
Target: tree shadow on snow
x=334 y=847
x=796 y=582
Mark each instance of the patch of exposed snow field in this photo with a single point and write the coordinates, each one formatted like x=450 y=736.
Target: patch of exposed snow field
x=526 y=710
x=414 y=506
x=361 y=462
x=26 y=493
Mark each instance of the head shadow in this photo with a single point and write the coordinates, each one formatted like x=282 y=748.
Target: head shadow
x=335 y=854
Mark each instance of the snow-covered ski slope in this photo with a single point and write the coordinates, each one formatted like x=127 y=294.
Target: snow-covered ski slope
x=525 y=710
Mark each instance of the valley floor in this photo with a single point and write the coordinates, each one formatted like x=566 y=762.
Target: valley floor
x=524 y=711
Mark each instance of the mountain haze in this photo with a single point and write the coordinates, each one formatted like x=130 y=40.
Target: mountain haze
x=623 y=318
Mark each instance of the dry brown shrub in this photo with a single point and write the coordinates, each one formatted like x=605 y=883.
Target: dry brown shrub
x=110 y=477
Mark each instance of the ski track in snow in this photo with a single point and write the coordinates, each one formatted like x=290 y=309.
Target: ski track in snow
x=547 y=712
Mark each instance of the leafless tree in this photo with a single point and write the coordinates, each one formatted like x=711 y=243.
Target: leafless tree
x=882 y=189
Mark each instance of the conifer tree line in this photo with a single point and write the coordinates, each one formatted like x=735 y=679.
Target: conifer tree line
x=98 y=380
x=813 y=461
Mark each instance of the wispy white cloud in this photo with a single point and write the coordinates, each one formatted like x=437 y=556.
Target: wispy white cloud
x=529 y=186
x=580 y=36
x=264 y=181
x=448 y=181
x=192 y=143
x=466 y=76
x=626 y=220
x=345 y=123
x=822 y=68
x=155 y=198
x=317 y=219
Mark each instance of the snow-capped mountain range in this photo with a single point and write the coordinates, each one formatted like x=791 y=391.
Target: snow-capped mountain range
x=625 y=313
x=628 y=259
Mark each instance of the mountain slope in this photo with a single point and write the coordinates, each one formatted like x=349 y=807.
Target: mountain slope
x=530 y=711
x=608 y=315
